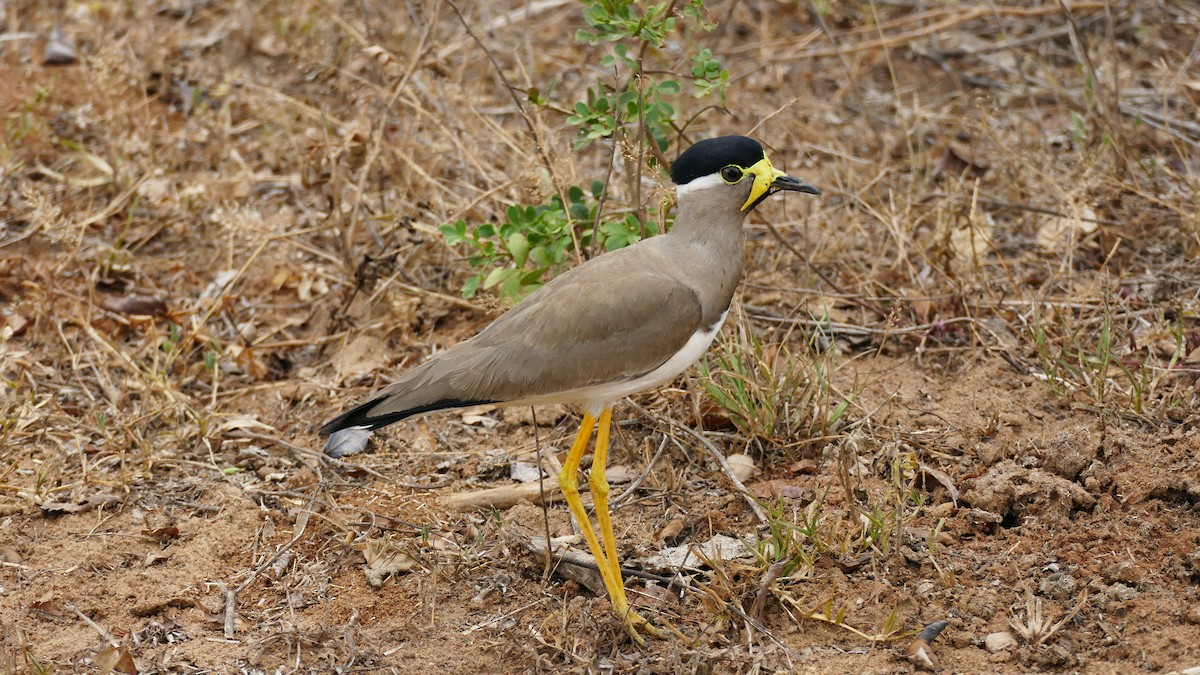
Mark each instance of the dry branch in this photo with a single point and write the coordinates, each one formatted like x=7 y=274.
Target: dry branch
x=503 y=497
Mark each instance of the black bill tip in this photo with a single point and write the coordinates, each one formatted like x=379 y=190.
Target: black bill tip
x=795 y=184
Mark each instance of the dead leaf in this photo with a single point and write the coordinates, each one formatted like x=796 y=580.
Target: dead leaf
x=364 y=354
x=720 y=548
x=154 y=189
x=154 y=558
x=944 y=479
x=773 y=490
x=1193 y=356
x=524 y=472
x=51 y=507
x=282 y=275
x=618 y=474
x=671 y=531
x=384 y=558
x=135 y=304
x=1157 y=339
x=115 y=660
x=50 y=608
x=245 y=359
x=957 y=158
x=10 y=555
x=829 y=308
x=244 y=423
x=714 y=418
x=1059 y=233
x=15 y=325
x=308 y=287
x=972 y=241
x=477 y=419
x=162 y=534
x=803 y=466
x=270 y=45
x=922 y=308
x=742 y=466
x=851 y=565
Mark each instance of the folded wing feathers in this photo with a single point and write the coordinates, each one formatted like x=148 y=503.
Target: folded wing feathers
x=575 y=335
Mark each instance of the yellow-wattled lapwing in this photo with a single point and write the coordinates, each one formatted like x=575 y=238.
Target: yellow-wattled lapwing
x=623 y=322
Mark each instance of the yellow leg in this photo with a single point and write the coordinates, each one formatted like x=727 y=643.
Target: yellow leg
x=635 y=624
x=598 y=482
x=568 y=481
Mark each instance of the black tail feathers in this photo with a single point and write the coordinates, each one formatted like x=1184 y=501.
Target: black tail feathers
x=362 y=416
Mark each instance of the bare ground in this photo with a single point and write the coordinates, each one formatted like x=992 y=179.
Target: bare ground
x=218 y=228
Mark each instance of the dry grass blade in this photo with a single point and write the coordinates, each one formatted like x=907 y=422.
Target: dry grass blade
x=1037 y=627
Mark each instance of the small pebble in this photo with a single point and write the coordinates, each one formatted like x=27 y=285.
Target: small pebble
x=996 y=642
x=1120 y=591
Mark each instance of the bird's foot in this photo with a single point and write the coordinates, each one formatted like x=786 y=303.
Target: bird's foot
x=637 y=626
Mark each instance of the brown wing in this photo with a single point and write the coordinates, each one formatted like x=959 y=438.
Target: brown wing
x=609 y=322
x=614 y=318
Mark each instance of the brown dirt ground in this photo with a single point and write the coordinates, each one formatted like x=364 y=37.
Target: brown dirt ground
x=196 y=190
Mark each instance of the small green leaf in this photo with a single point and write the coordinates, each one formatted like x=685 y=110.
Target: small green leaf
x=510 y=290
x=471 y=287
x=494 y=277
x=518 y=247
x=452 y=234
x=535 y=97
x=533 y=279
x=1079 y=130
x=540 y=255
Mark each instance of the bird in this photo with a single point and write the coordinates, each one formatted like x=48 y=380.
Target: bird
x=623 y=322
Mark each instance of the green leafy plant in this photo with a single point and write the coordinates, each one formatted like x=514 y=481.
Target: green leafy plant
x=708 y=77
x=640 y=98
x=515 y=256
x=792 y=539
x=637 y=107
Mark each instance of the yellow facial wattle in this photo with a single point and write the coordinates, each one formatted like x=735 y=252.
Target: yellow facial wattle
x=764 y=175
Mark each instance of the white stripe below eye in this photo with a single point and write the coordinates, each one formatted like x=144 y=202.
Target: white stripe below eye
x=701 y=183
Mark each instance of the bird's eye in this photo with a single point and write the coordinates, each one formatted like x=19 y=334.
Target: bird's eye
x=731 y=174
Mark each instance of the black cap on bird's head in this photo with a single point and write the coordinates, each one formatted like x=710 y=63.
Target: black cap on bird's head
x=732 y=158
x=712 y=154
